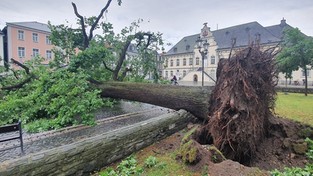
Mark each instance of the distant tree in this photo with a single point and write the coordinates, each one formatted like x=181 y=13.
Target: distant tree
x=297 y=52
x=111 y=52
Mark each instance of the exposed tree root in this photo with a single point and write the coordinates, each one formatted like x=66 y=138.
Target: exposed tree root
x=241 y=103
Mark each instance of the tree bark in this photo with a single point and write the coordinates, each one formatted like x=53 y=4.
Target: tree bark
x=193 y=99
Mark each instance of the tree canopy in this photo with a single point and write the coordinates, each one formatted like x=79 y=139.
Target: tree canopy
x=297 y=53
x=63 y=94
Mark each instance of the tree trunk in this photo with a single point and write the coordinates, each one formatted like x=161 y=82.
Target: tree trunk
x=305 y=81
x=192 y=99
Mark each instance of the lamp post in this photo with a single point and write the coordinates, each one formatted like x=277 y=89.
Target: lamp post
x=202 y=45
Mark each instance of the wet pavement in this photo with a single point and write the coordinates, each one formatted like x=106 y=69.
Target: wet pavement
x=125 y=113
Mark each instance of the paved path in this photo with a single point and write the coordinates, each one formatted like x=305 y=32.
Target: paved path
x=127 y=113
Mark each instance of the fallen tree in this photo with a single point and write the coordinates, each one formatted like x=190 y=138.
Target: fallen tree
x=193 y=99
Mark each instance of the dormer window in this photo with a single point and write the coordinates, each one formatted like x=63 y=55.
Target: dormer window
x=187 y=47
x=175 y=50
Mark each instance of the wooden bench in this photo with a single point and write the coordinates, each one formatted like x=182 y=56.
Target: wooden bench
x=9 y=129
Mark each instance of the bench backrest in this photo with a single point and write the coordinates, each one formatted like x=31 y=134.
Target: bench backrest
x=13 y=128
x=10 y=128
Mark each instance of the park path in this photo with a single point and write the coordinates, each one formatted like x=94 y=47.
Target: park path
x=108 y=119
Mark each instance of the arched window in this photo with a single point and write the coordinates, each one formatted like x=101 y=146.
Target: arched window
x=195 y=78
x=177 y=62
x=171 y=73
x=184 y=73
x=184 y=62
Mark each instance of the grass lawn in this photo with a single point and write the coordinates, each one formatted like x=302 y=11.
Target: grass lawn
x=295 y=106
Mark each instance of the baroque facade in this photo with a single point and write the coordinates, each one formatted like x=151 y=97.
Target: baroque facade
x=185 y=61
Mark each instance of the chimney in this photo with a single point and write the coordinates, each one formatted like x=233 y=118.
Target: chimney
x=283 y=22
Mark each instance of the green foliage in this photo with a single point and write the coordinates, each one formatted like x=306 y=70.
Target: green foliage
x=151 y=161
x=297 y=53
x=125 y=168
x=60 y=97
x=297 y=171
x=189 y=152
x=130 y=166
x=90 y=61
x=105 y=54
x=309 y=153
x=294 y=171
x=66 y=38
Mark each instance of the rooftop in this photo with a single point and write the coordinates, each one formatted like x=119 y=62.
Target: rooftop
x=244 y=34
x=31 y=25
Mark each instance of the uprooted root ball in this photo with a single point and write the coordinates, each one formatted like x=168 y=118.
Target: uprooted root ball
x=241 y=103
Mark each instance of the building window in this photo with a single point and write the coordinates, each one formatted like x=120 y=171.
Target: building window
x=35 y=52
x=166 y=74
x=172 y=63
x=190 y=61
x=212 y=59
x=184 y=62
x=20 y=35
x=307 y=72
x=177 y=62
x=184 y=73
x=48 y=41
x=197 y=61
x=35 y=37
x=171 y=73
x=48 y=54
x=175 y=50
x=187 y=47
x=21 y=52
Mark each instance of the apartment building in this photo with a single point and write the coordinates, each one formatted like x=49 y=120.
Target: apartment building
x=185 y=61
x=26 y=40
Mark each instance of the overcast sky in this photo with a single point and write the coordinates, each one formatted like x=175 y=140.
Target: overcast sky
x=174 y=18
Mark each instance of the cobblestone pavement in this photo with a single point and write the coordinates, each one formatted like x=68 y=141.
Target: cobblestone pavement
x=107 y=119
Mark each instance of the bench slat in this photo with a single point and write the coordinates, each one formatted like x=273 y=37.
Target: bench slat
x=9 y=128
x=9 y=139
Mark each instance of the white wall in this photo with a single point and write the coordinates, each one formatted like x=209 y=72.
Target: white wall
x=1 y=50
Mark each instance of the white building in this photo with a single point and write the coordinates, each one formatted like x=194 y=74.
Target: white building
x=185 y=61
x=1 y=49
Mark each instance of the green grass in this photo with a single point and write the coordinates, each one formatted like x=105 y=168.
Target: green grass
x=165 y=164
x=295 y=106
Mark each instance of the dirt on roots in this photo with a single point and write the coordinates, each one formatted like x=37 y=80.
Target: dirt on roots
x=275 y=152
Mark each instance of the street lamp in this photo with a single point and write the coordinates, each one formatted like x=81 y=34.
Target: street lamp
x=203 y=46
